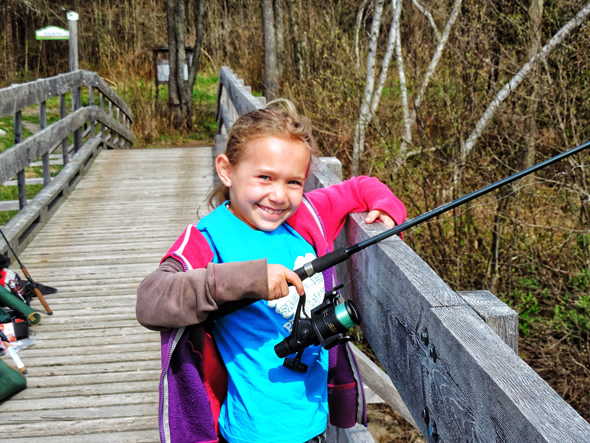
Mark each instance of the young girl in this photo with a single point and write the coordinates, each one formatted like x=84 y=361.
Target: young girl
x=226 y=381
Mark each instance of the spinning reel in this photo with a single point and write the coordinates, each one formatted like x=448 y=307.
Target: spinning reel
x=328 y=325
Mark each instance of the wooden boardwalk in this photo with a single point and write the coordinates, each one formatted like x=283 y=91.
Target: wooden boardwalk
x=93 y=370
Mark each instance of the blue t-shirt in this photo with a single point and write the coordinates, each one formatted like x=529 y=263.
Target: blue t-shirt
x=266 y=401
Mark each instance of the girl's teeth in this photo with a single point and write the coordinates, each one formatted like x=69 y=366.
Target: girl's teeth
x=272 y=211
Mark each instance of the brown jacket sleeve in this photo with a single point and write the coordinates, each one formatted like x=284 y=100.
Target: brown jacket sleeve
x=171 y=298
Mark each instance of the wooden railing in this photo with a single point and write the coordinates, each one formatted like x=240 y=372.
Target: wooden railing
x=452 y=356
x=91 y=127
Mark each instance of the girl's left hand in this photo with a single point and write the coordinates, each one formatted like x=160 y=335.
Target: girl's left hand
x=376 y=214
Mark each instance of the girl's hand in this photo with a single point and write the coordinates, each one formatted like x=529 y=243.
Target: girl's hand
x=376 y=214
x=278 y=279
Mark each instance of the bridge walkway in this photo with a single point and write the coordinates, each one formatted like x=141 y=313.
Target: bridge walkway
x=93 y=370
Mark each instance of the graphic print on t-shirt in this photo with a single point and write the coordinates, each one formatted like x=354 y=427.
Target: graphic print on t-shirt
x=314 y=291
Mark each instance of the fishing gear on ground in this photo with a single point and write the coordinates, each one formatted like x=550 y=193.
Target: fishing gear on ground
x=34 y=287
x=303 y=328
x=13 y=354
x=19 y=287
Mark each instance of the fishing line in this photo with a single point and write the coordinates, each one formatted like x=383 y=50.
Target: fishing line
x=536 y=182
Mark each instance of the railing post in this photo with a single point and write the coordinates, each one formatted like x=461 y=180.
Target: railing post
x=20 y=176
x=102 y=130
x=93 y=122
x=45 y=157
x=76 y=104
x=64 y=143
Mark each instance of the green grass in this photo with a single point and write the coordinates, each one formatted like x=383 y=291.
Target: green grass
x=153 y=129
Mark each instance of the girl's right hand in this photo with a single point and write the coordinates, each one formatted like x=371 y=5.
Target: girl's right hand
x=279 y=278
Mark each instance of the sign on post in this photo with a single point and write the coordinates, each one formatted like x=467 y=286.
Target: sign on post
x=55 y=33
x=52 y=33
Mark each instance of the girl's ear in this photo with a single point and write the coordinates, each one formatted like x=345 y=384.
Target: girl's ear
x=224 y=169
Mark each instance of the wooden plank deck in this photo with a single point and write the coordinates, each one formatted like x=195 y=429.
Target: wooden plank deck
x=93 y=370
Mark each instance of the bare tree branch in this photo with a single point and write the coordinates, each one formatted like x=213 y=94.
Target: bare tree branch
x=393 y=32
x=518 y=78
x=432 y=68
x=359 y=21
x=365 y=110
x=428 y=15
x=437 y=55
x=402 y=77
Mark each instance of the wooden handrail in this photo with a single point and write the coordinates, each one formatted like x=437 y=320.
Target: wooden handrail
x=19 y=96
x=17 y=158
x=233 y=99
x=459 y=380
x=81 y=122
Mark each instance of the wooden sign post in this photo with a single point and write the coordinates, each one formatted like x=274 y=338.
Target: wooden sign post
x=73 y=27
x=55 y=33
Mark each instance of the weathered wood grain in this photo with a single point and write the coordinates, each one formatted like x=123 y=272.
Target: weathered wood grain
x=20 y=156
x=93 y=79
x=498 y=315
x=77 y=427
x=224 y=118
x=16 y=97
x=73 y=414
x=379 y=382
x=459 y=380
x=139 y=436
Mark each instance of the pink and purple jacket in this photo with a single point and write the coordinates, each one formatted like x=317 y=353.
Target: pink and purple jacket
x=193 y=382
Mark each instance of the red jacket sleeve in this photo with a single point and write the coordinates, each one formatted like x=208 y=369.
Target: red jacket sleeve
x=358 y=194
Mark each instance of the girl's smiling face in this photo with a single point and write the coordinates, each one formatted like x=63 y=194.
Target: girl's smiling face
x=266 y=185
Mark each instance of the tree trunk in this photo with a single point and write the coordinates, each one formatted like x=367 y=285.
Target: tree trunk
x=181 y=90
x=536 y=15
x=9 y=45
x=192 y=77
x=185 y=98
x=280 y=35
x=494 y=270
x=442 y=41
x=365 y=109
x=271 y=69
x=359 y=22
x=173 y=95
x=407 y=137
x=297 y=44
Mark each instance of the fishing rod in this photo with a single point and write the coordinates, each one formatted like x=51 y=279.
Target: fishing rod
x=338 y=256
x=31 y=281
x=329 y=322
x=331 y=259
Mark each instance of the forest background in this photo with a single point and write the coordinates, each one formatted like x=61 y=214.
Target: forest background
x=402 y=98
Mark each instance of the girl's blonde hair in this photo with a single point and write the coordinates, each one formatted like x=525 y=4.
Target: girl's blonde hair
x=278 y=119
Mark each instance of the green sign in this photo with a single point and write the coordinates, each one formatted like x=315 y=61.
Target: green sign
x=52 y=33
